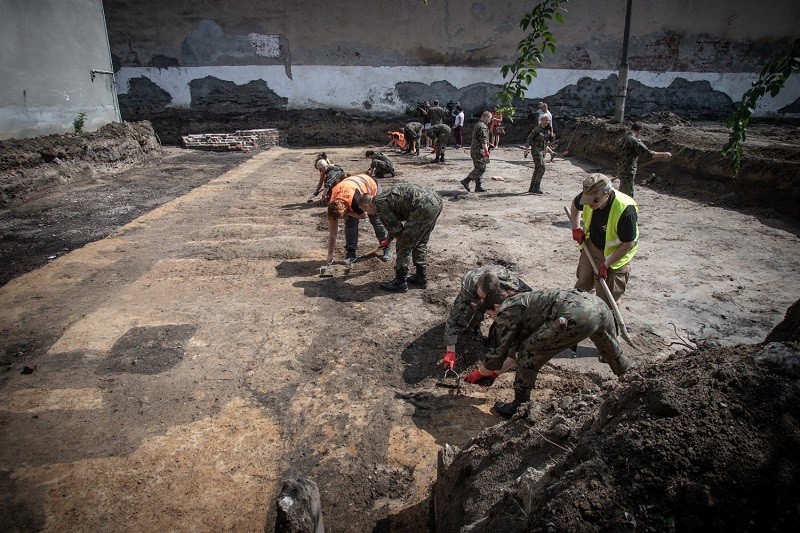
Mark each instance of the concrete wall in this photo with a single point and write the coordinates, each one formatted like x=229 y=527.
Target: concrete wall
x=48 y=49
x=692 y=57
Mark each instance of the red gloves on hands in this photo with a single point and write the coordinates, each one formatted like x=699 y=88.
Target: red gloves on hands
x=486 y=153
x=578 y=235
x=602 y=271
x=385 y=243
x=476 y=377
x=449 y=360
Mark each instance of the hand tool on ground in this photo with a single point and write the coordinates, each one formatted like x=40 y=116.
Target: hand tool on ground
x=450 y=380
x=327 y=271
x=614 y=308
x=369 y=254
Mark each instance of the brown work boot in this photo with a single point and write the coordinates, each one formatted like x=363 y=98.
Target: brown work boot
x=619 y=364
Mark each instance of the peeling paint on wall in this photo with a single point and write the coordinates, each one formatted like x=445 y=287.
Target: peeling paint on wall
x=208 y=44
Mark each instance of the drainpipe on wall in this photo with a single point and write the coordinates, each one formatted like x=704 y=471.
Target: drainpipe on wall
x=622 y=80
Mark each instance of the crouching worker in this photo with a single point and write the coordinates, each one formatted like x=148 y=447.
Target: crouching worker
x=419 y=208
x=344 y=204
x=329 y=176
x=381 y=167
x=538 y=326
x=468 y=310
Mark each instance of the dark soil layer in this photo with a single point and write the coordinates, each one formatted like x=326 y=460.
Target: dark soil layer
x=706 y=441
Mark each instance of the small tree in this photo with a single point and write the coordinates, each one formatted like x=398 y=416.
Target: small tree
x=772 y=79
x=79 y=122
x=530 y=52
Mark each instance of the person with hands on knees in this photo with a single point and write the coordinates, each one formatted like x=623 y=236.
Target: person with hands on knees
x=610 y=233
x=409 y=213
x=467 y=311
x=479 y=151
x=344 y=203
x=537 y=326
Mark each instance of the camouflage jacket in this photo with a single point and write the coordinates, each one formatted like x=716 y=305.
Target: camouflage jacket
x=395 y=205
x=435 y=115
x=380 y=156
x=629 y=149
x=480 y=137
x=415 y=128
x=519 y=316
x=334 y=175
x=439 y=130
x=537 y=139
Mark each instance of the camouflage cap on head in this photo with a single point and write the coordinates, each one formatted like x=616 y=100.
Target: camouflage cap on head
x=593 y=186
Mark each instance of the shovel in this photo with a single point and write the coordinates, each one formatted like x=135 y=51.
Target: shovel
x=614 y=308
x=368 y=254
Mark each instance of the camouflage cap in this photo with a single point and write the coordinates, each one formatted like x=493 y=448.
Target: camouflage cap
x=593 y=186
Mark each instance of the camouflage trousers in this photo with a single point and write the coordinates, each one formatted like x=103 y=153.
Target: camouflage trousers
x=441 y=143
x=382 y=168
x=625 y=182
x=412 y=243
x=578 y=316
x=479 y=161
x=538 y=170
x=462 y=316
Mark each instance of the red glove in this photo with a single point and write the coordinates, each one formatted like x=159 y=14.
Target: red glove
x=578 y=235
x=602 y=271
x=385 y=243
x=486 y=153
x=476 y=377
x=449 y=360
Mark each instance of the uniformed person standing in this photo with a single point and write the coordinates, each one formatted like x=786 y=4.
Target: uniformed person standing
x=629 y=149
x=381 y=165
x=436 y=113
x=439 y=134
x=539 y=325
x=419 y=208
x=536 y=144
x=413 y=132
x=467 y=310
x=479 y=151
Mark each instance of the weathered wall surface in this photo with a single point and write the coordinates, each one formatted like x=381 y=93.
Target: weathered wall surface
x=363 y=56
x=48 y=49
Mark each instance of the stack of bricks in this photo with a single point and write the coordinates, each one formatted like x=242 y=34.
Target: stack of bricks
x=240 y=141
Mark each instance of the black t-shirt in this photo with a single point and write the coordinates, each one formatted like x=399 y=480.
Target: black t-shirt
x=355 y=207
x=626 y=227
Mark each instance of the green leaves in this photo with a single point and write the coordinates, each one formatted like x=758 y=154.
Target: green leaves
x=773 y=77
x=530 y=52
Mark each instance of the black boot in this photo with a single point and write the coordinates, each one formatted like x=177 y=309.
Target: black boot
x=398 y=284
x=537 y=187
x=436 y=160
x=478 y=187
x=419 y=278
x=441 y=159
x=465 y=183
x=509 y=409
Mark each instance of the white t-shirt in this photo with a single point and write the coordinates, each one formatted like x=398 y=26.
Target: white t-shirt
x=459 y=120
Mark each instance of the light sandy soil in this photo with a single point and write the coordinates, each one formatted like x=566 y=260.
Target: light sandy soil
x=194 y=359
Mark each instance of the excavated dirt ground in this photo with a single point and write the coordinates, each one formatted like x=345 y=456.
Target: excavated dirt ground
x=192 y=359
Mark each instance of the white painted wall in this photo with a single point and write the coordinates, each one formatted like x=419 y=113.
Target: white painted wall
x=48 y=48
x=347 y=87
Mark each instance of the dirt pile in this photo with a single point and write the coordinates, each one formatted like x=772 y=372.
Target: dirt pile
x=769 y=176
x=707 y=440
x=29 y=165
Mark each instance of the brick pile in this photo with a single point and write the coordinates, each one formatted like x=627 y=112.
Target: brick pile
x=240 y=141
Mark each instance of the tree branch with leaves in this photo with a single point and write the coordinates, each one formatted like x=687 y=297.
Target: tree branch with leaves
x=530 y=52
x=772 y=79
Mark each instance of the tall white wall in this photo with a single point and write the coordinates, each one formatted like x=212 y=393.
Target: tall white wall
x=47 y=51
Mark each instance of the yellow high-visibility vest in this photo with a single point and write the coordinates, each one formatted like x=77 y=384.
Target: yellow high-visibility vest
x=621 y=201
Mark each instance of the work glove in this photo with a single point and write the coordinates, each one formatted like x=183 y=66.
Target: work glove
x=578 y=235
x=385 y=243
x=475 y=377
x=486 y=153
x=449 y=360
x=602 y=271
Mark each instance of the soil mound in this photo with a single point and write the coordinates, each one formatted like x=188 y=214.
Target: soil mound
x=707 y=440
x=29 y=165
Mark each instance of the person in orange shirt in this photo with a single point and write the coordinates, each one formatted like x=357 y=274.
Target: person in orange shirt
x=344 y=204
x=496 y=127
